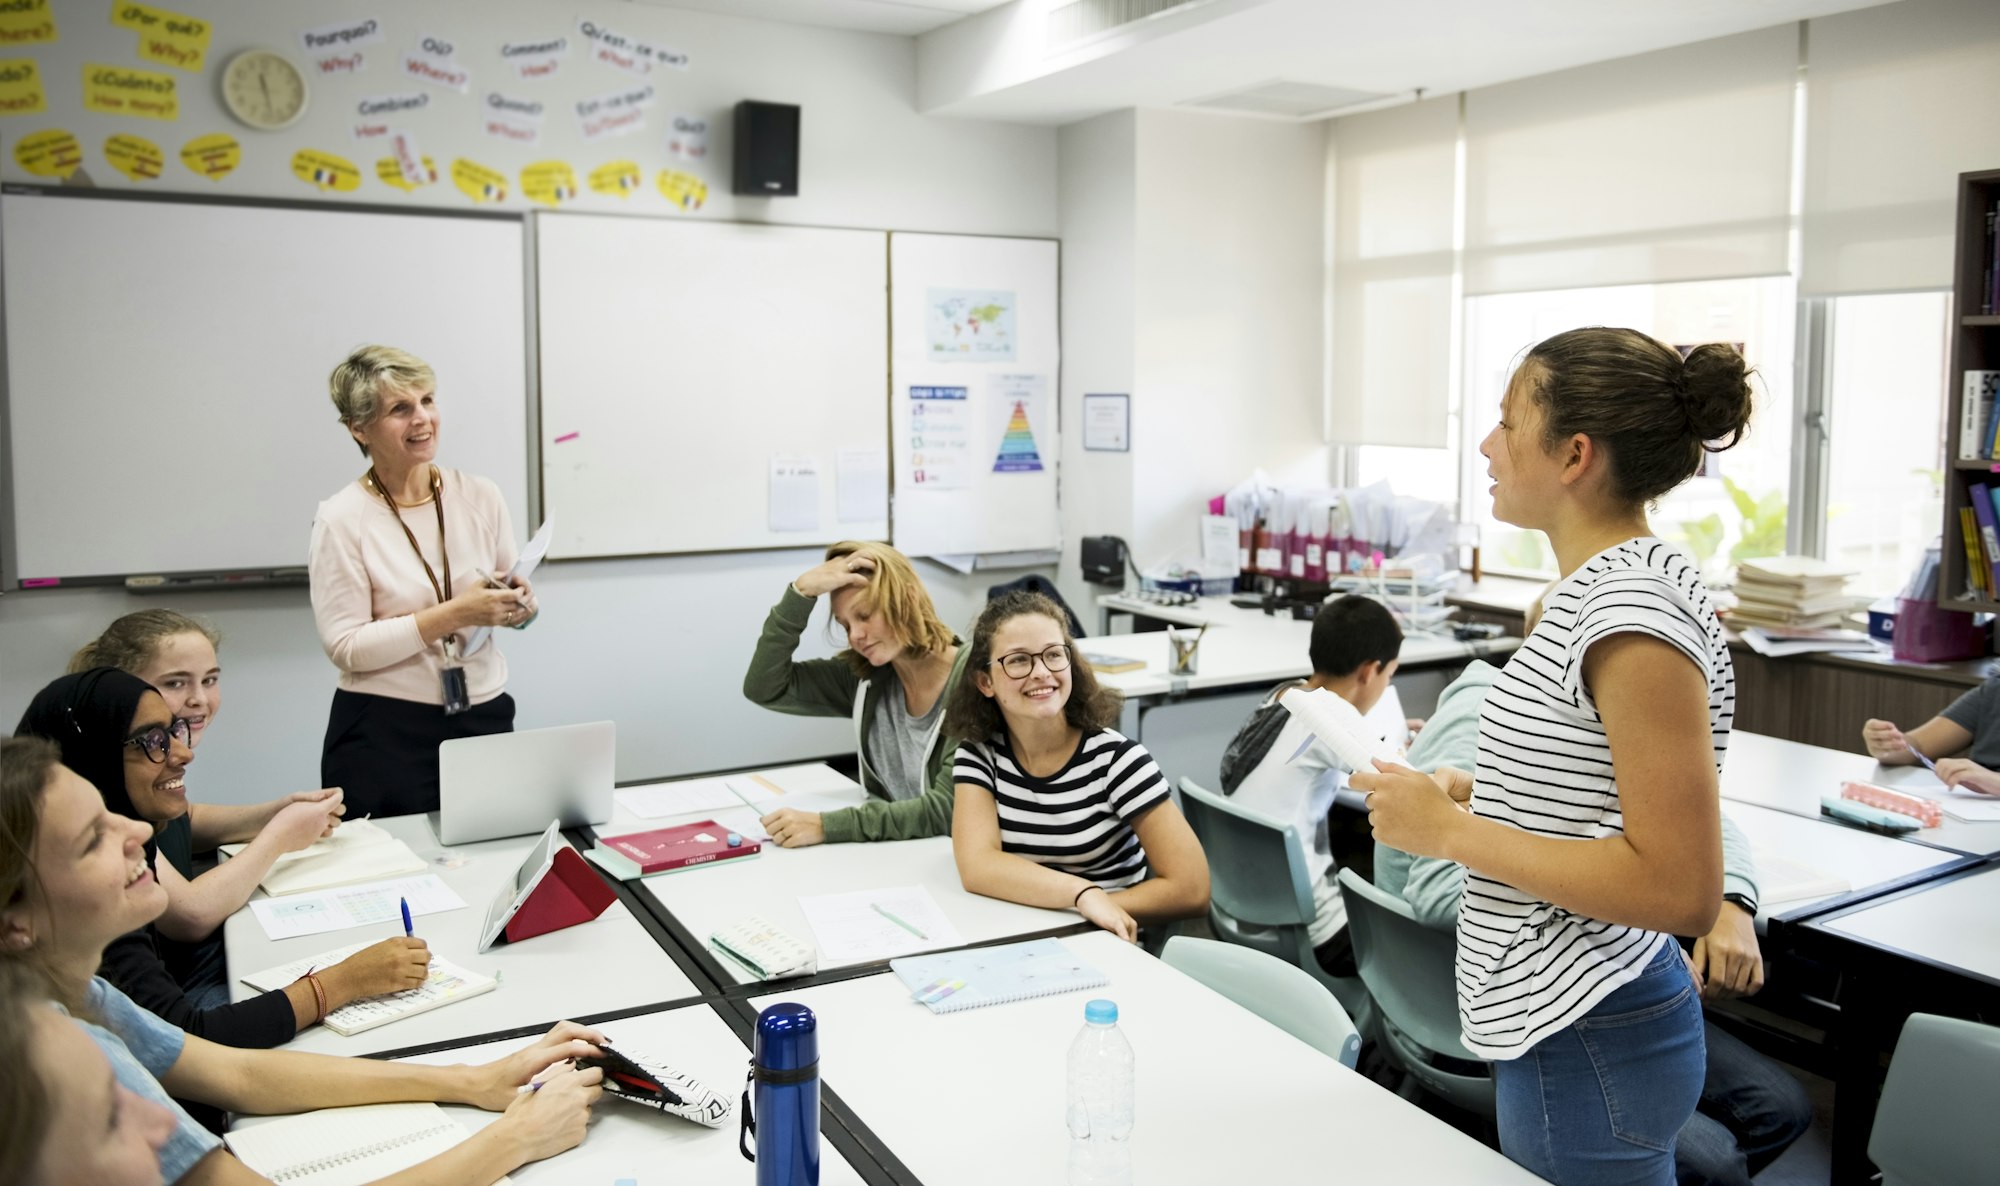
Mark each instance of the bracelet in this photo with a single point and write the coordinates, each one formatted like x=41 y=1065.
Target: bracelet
x=1079 y=895
x=319 y=996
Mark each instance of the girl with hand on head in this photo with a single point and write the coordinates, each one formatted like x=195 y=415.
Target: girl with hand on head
x=176 y=655
x=116 y=731
x=1593 y=834
x=899 y=668
x=1054 y=808
x=74 y=875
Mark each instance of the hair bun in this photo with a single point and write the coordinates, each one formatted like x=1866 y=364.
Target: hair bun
x=1715 y=390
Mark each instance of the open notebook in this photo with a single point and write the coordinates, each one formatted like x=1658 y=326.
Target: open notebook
x=956 y=980
x=358 y=850
x=447 y=983
x=346 y=1146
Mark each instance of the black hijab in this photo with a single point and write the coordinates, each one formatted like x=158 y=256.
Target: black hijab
x=89 y=714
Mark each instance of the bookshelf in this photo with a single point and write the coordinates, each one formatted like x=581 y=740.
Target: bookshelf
x=1975 y=345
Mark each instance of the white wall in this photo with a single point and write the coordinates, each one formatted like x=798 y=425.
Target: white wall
x=657 y=645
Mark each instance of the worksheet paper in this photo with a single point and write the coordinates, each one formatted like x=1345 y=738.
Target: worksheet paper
x=862 y=490
x=353 y=906
x=794 y=494
x=870 y=925
x=813 y=787
x=678 y=798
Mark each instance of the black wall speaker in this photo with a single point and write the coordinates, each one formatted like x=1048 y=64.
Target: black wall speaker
x=767 y=150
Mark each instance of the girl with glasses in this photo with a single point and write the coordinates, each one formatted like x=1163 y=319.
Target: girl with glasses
x=115 y=731
x=1054 y=808
x=176 y=655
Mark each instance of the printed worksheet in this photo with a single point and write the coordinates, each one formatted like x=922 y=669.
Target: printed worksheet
x=876 y=924
x=353 y=906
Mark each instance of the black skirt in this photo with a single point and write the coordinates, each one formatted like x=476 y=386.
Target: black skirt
x=383 y=752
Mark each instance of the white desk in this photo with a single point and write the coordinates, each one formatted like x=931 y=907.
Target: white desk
x=606 y=964
x=1863 y=859
x=1790 y=777
x=1223 y=1096
x=705 y=899
x=1953 y=924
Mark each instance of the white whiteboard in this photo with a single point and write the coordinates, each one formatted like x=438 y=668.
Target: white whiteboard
x=167 y=369
x=679 y=360
x=973 y=394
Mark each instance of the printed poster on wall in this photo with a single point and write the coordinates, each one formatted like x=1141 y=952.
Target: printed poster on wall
x=21 y=88
x=940 y=444
x=332 y=48
x=1016 y=409
x=168 y=38
x=26 y=21
x=969 y=325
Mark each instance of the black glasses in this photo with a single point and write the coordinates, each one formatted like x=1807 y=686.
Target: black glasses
x=154 y=741
x=1021 y=663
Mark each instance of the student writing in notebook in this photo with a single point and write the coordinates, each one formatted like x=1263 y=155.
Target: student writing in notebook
x=74 y=875
x=1054 y=807
x=176 y=654
x=117 y=732
x=900 y=666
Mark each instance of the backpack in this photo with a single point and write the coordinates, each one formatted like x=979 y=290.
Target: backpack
x=1252 y=741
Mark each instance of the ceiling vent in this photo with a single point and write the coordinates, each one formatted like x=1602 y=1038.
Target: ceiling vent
x=1289 y=100
x=1080 y=20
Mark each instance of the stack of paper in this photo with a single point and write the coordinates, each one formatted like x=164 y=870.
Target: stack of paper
x=1776 y=642
x=1790 y=591
x=356 y=851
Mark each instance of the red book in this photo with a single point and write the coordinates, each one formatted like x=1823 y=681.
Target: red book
x=667 y=849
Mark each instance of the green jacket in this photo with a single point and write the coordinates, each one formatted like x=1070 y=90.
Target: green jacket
x=1433 y=885
x=829 y=688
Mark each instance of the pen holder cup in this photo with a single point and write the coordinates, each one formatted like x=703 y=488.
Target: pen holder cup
x=1183 y=651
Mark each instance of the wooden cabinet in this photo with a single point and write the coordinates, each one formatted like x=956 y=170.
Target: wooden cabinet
x=1975 y=346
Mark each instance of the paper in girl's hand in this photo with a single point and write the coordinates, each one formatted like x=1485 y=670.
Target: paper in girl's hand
x=1338 y=726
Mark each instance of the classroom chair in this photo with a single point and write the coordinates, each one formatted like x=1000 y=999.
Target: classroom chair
x=1260 y=895
x=1407 y=967
x=1934 y=1126
x=1272 y=989
x=1035 y=583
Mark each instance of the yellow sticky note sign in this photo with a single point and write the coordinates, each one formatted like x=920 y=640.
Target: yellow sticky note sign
x=169 y=38
x=618 y=179
x=24 y=21
x=136 y=157
x=389 y=172
x=683 y=189
x=214 y=157
x=326 y=171
x=549 y=182
x=478 y=182
x=115 y=90
x=21 y=88
x=52 y=153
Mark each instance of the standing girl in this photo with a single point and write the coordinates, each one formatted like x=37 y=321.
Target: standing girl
x=1594 y=832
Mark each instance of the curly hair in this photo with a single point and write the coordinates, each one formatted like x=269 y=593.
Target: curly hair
x=895 y=592
x=975 y=716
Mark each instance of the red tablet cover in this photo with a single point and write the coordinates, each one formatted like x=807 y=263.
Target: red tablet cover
x=571 y=892
x=679 y=846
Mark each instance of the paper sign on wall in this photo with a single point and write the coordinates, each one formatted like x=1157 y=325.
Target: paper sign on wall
x=940 y=444
x=435 y=61
x=169 y=38
x=51 y=153
x=134 y=156
x=863 y=485
x=214 y=157
x=628 y=53
x=389 y=171
x=352 y=61
x=619 y=179
x=333 y=48
x=21 y=88
x=1107 y=423
x=325 y=170
x=535 y=59
x=478 y=182
x=683 y=189
x=25 y=21
x=613 y=114
x=687 y=138
x=549 y=182
x=794 y=494
x=1016 y=404
x=969 y=325
x=378 y=113
x=410 y=160
x=515 y=120
x=115 y=90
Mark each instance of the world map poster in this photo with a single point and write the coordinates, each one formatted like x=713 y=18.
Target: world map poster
x=969 y=325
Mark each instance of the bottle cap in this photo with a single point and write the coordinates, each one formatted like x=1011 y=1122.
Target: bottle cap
x=787 y=1038
x=1101 y=1012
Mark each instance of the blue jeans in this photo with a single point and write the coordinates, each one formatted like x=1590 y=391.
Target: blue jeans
x=1751 y=1110
x=1602 y=1101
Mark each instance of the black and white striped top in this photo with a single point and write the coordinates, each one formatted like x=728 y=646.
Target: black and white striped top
x=1079 y=819
x=1526 y=968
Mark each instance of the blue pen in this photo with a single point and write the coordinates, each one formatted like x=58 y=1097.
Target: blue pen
x=409 y=931
x=1928 y=764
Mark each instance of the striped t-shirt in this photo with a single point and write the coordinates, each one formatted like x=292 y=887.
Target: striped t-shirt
x=1527 y=968
x=1079 y=819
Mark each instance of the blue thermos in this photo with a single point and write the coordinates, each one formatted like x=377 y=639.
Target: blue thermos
x=781 y=1098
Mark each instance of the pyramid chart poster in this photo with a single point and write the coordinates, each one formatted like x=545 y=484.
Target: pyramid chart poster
x=1018 y=408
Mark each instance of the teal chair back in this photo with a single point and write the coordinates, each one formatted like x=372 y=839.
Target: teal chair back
x=1259 y=892
x=1272 y=989
x=1408 y=968
x=1934 y=1126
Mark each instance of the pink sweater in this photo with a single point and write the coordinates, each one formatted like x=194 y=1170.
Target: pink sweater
x=367 y=586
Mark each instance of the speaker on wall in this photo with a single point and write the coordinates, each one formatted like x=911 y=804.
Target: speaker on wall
x=767 y=149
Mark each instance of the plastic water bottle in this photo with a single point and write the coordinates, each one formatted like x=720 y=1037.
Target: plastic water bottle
x=1100 y=1100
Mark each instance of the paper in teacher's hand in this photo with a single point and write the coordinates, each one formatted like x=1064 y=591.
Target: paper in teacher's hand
x=524 y=567
x=1340 y=728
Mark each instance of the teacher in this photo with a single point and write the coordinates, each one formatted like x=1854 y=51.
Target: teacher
x=401 y=563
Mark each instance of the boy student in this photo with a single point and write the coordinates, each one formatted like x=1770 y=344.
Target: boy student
x=1355 y=642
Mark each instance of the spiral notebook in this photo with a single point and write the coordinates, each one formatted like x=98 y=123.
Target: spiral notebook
x=447 y=983
x=346 y=1146
x=978 y=976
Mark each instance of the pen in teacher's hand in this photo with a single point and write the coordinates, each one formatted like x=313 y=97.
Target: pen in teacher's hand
x=899 y=922
x=409 y=930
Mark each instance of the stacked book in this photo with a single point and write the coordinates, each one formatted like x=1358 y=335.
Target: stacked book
x=1790 y=591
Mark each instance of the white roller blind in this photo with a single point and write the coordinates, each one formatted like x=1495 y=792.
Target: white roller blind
x=1392 y=212
x=1900 y=100
x=1673 y=165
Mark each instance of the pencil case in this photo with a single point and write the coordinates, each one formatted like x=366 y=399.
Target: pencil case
x=1924 y=811
x=1860 y=815
x=652 y=1083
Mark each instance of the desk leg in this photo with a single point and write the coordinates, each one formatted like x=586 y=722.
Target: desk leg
x=1104 y=619
x=1869 y=1023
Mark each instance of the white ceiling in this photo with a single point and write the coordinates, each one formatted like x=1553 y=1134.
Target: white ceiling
x=906 y=17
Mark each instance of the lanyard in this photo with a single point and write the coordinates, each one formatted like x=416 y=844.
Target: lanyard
x=437 y=500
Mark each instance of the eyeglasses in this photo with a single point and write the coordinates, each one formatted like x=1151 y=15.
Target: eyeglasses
x=154 y=741
x=1021 y=664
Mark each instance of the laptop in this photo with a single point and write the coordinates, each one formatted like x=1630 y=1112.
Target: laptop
x=513 y=784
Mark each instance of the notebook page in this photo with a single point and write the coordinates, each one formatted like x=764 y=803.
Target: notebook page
x=447 y=983
x=346 y=1146
x=1340 y=728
